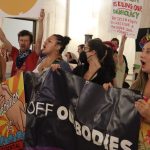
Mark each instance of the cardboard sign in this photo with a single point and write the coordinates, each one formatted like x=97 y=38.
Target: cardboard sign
x=126 y=16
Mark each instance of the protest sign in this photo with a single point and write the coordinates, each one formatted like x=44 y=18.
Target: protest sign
x=12 y=113
x=126 y=16
x=64 y=111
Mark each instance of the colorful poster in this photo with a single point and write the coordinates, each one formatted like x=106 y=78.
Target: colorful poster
x=12 y=113
x=20 y=8
x=126 y=16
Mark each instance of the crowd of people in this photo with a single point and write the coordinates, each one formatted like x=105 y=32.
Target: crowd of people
x=101 y=62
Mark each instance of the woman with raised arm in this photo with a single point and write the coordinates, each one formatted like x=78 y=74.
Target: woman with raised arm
x=99 y=65
x=52 y=49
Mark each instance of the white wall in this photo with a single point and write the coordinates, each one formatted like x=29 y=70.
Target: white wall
x=92 y=17
x=145 y=20
x=12 y=27
x=55 y=20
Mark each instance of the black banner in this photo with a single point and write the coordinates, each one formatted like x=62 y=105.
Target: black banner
x=66 y=112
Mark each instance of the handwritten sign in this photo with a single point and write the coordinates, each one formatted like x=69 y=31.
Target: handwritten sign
x=20 y=8
x=126 y=16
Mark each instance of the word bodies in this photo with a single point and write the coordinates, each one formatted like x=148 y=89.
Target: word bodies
x=92 y=135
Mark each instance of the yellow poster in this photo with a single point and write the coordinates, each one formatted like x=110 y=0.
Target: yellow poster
x=12 y=113
x=20 y=8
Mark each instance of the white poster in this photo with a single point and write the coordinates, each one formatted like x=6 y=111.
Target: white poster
x=20 y=8
x=126 y=16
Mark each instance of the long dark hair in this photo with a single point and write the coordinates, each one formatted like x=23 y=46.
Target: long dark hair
x=63 y=41
x=105 y=56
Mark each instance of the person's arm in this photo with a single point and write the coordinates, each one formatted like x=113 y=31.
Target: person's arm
x=5 y=41
x=144 y=109
x=114 y=82
x=3 y=62
x=121 y=50
x=40 y=33
x=107 y=86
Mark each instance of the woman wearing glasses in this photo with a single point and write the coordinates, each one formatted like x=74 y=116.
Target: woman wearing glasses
x=100 y=66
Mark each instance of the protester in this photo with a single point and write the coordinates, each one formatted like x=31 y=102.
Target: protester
x=142 y=84
x=80 y=48
x=52 y=49
x=119 y=61
x=82 y=58
x=100 y=67
x=70 y=58
x=115 y=43
x=24 y=59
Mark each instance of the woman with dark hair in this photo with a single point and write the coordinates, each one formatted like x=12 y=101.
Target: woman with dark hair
x=100 y=66
x=142 y=84
x=52 y=49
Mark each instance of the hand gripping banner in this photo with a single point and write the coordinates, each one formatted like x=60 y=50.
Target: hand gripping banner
x=66 y=112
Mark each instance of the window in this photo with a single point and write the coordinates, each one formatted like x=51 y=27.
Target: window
x=12 y=26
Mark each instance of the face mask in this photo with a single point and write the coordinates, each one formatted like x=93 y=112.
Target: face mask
x=83 y=57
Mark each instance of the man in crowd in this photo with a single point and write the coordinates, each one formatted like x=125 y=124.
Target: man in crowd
x=80 y=51
x=25 y=59
x=80 y=48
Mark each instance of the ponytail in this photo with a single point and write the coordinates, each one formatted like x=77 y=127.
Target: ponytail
x=62 y=41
